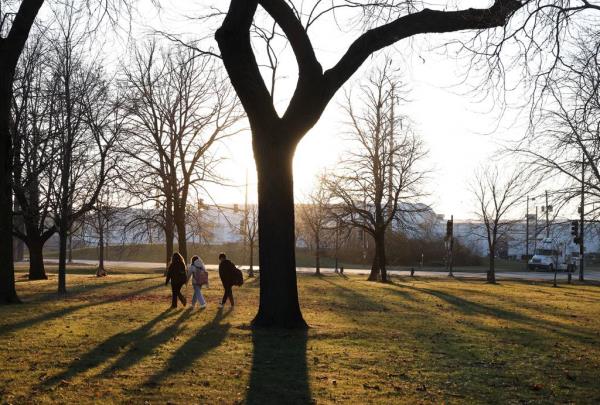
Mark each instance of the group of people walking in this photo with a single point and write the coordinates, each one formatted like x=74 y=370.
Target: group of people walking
x=179 y=275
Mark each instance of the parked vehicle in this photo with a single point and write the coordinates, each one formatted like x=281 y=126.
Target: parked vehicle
x=551 y=254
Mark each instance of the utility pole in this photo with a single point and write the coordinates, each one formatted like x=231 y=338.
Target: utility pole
x=535 y=227
x=452 y=248
x=527 y=234
x=547 y=221
x=581 y=213
x=449 y=242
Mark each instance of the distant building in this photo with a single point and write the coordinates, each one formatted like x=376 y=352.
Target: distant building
x=221 y=224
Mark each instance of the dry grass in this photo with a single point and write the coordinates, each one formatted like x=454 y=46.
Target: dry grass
x=113 y=340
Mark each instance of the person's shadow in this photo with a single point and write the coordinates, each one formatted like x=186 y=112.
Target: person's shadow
x=204 y=340
x=279 y=370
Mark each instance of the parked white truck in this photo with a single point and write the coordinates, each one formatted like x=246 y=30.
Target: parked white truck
x=550 y=254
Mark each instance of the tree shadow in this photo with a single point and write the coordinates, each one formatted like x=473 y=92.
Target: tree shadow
x=207 y=338
x=279 y=371
x=354 y=300
x=111 y=347
x=144 y=343
x=59 y=313
x=468 y=307
x=77 y=290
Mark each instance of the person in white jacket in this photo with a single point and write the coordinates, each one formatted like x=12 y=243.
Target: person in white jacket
x=197 y=272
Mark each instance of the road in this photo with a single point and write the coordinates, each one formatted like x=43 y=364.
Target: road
x=500 y=274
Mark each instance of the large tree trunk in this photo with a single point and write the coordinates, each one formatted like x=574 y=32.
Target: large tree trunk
x=251 y=270
x=63 y=234
x=36 y=258
x=101 y=271
x=179 y=218
x=169 y=230
x=279 y=306
x=380 y=248
x=491 y=274
x=374 y=274
x=378 y=270
x=317 y=256
x=70 y=239
x=8 y=292
x=19 y=224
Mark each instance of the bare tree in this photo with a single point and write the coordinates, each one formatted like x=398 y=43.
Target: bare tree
x=16 y=20
x=498 y=197
x=275 y=137
x=11 y=47
x=89 y=124
x=567 y=135
x=250 y=231
x=102 y=218
x=179 y=108
x=532 y=51
x=314 y=216
x=200 y=223
x=563 y=143
x=377 y=180
x=35 y=149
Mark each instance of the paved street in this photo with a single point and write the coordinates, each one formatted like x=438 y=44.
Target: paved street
x=500 y=274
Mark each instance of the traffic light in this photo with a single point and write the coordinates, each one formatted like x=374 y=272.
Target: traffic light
x=449 y=226
x=574 y=228
x=575 y=231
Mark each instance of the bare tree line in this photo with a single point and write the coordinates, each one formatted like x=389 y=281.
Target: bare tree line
x=149 y=131
x=275 y=136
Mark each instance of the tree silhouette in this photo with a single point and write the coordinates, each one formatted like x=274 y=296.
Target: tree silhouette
x=275 y=137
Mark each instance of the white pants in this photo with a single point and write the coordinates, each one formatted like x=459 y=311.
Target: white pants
x=198 y=296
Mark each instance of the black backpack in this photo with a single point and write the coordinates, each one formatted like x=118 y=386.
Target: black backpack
x=237 y=276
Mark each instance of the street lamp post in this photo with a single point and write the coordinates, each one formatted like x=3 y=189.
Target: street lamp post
x=527 y=233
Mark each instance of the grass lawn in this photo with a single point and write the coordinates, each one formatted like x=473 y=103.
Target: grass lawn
x=22 y=269
x=113 y=340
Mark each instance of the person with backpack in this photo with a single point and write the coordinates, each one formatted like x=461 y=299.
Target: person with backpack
x=177 y=274
x=230 y=276
x=197 y=272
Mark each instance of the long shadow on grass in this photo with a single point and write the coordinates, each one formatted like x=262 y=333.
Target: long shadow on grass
x=279 y=372
x=59 y=313
x=141 y=344
x=207 y=338
x=468 y=307
x=79 y=289
x=355 y=301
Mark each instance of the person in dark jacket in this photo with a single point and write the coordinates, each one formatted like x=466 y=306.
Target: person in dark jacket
x=178 y=276
x=226 y=273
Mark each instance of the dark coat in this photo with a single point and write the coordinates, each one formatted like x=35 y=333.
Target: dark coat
x=226 y=272
x=177 y=274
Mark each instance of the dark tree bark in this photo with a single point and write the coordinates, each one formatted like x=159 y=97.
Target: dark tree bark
x=491 y=274
x=101 y=248
x=63 y=235
x=179 y=219
x=169 y=229
x=276 y=212
x=251 y=270
x=317 y=255
x=11 y=48
x=381 y=257
x=275 y=138
x=8 y=293
x=36 y=259
x=378 y=268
